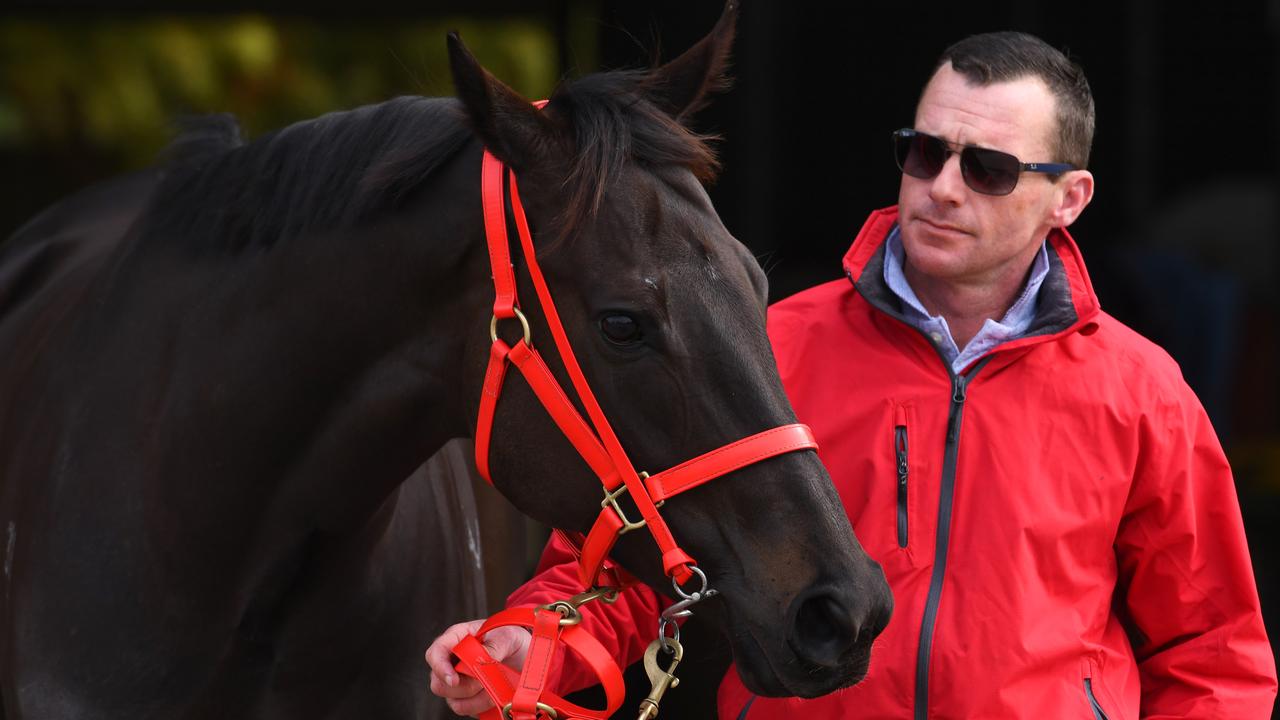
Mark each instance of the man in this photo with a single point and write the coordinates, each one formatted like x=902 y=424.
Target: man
x=1046 y=496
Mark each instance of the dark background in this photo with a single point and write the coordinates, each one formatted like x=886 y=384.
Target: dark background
x=1181 y=238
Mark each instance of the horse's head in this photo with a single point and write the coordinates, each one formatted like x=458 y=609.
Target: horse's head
x=665 y=311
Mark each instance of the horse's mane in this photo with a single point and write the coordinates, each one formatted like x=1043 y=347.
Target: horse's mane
x=343 y=168
x=220 y=192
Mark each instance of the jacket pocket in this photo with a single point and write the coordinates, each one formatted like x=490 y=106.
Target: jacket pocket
x=903 y=466
x=1098 y=712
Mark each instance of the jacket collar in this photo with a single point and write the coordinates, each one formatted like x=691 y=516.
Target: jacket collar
x=1067 y=300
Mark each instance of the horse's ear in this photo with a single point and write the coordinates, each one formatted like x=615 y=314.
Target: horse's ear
x=515 y=131
x=681 y=86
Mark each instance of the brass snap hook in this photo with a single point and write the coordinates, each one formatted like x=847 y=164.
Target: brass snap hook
x=569 y=614
x=660 y=680
x=568 y=609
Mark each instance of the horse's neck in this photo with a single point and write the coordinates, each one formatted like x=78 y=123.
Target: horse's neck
x=340 y=361
x=226 y=420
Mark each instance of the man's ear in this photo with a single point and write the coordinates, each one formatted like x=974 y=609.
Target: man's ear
x=681 y=86
x=515 y=131
x=1075 y=190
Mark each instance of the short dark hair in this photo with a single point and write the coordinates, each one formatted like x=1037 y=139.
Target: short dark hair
x=1006 y=56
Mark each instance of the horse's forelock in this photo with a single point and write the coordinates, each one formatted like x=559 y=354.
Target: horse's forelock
x=612 y=124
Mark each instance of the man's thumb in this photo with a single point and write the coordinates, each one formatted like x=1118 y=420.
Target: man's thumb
x=507 y=642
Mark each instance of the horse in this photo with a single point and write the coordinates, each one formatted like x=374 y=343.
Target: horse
x=219 y=372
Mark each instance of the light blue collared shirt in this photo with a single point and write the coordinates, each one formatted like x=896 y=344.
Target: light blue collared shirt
x=1012 y=326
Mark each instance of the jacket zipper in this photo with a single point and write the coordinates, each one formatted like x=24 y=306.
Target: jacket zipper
x=900 y=454
x=1098 y=714
x=955 y=415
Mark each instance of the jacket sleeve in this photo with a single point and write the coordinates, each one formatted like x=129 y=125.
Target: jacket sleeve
x=1185 y=575
x=624 y=627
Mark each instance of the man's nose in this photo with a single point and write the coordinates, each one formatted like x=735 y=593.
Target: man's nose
x=948 y=187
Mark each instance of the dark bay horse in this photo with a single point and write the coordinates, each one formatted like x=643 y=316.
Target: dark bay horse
x=216 y=375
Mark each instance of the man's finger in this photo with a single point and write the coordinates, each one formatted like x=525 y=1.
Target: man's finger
x=471 y=706
x=440 y=656
x=466 y=687
x=438 y=659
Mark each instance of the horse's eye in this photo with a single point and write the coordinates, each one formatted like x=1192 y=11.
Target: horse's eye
x=620 y=329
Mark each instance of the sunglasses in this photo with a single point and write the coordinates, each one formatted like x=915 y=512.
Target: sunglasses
x=989 y=172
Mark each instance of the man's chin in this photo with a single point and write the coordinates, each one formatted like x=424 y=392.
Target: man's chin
x=935 y=256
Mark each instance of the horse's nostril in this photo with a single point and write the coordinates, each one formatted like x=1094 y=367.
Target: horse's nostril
x=824 y=630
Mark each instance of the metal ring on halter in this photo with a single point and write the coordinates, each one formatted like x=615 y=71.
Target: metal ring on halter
x=524 y=325
x=700 y=592
x=542 y=708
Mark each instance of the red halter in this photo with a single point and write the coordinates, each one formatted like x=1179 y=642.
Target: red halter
x=523 y=696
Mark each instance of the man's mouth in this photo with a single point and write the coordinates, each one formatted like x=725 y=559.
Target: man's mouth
x=939 y=226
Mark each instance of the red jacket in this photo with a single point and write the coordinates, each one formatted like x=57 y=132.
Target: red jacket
x=1059 y=525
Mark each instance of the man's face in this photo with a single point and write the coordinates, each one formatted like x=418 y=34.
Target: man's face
x=953 y=234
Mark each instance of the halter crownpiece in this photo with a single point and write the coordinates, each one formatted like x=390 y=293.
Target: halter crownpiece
x=523 y=696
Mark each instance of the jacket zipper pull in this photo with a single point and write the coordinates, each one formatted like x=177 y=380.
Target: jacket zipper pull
x=957 y=401
x=900 y=442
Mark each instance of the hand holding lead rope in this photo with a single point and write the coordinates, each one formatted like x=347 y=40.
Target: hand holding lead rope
x=660 y=680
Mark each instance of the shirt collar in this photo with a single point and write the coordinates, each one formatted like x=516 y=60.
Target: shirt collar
x=1015 y=322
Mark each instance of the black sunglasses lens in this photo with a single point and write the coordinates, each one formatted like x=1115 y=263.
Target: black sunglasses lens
x=902 y=148
x=919 y=155
x=989 y=171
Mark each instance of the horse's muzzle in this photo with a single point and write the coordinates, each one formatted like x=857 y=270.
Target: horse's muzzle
x=832 y=630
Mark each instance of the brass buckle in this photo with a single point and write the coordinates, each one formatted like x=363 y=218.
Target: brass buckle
x=611 y=502
x=524 y=325
x=543 y=708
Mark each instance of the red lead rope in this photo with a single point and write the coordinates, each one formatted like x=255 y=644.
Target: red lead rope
x=523 y=696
